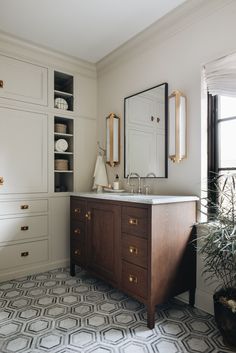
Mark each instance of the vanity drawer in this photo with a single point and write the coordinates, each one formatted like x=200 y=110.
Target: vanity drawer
x=78 y=252
x=78 y=210
x=134 y=279
x=14 y=229
x=23 y=207
x=135 y=221
x=23 y=254
x=134 y=250
x=77 y=230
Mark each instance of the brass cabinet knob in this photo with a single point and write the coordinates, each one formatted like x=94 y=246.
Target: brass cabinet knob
x=77 y=231
x=133 y=250
x=24 y=207
x=158 y=120
x=133 y=221
x=88 y=215
x=24 y=228
x=133 y=279
x=1 y=180
x=77 y=252
x=1 y=83
x=77 y=210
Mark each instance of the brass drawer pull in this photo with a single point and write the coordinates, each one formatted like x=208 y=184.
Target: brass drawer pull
x=77 y=210
x=1 y=180
x=1 y=83
x=24 y=228
x=77 y=252
x=133 y=250
x=24 y=207
x=88 y=215
x=133 y=221
x=77 y=231
x=133 y=279
x=24 y=254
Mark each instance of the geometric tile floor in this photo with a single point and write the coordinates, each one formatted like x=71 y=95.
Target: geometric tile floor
x=54 y=312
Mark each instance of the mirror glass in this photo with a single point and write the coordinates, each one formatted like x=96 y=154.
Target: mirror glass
x=146 y=117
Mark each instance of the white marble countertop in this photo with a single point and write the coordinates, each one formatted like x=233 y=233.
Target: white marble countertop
x=136 y=198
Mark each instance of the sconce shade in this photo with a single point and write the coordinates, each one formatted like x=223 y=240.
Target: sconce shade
x=177 y=126
x=113 y=139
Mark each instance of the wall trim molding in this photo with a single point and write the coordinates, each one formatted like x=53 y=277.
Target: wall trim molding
x=14 y=46
x=179 y=19
x=33 y=269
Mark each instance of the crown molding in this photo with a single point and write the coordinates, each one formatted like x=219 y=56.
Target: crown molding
x=182 y=17
x=12 y=45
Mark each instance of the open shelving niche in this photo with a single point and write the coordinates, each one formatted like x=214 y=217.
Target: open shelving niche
x=64 y=179
x=64 y=88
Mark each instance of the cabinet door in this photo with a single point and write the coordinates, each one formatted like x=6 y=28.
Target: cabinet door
x=23 y=81
x=104 y=240
x=23 y=151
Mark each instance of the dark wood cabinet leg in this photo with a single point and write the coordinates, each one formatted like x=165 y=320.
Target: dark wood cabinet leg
x=192 y=296
x=151 y=317
x=72 y=269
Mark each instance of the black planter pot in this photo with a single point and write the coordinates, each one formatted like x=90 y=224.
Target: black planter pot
x=225 y=318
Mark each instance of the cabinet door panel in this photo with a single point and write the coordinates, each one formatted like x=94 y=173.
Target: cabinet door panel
x=15 y=229
x=104 y=238
x=134 y=250
x=23 y=81
x=23 y=254
x=135 y=221
x=23 y=151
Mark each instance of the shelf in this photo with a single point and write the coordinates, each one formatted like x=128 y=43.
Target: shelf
x=68 y=153
x=64 y=135
x=63 y=94
x=63 y=171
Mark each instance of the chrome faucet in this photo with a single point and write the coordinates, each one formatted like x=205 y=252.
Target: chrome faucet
x=139 y=182
x=145 y=186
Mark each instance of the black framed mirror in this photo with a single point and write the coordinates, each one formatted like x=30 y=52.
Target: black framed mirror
x=146 y=133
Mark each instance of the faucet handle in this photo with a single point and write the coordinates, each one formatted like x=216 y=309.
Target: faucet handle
x=131 y=188
x=147 y=189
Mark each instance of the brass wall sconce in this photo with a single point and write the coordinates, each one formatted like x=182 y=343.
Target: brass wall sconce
x=177 y=126
x=113 y=140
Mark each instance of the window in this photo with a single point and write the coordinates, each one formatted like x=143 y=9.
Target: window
x=222 y=135
x=221 y=143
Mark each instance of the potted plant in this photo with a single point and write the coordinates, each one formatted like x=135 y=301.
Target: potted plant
x=217 y=246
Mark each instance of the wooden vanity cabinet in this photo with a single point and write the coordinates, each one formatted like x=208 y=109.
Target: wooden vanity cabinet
x=96 y=245
x=144 y=250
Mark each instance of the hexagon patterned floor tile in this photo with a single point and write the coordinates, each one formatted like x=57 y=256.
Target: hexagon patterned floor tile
x=55 y=313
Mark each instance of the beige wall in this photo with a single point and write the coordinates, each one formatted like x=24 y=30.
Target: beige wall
x=172 y=51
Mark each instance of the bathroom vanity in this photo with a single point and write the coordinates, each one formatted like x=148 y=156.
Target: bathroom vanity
x=141 y=244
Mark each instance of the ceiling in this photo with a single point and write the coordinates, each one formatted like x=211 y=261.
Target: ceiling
x=85 y=29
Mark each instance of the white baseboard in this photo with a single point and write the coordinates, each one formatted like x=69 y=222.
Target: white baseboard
x=37 y=268
x=203 y=300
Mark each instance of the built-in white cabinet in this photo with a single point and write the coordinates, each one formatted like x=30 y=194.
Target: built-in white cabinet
x=23 y=254
x=23 y=151
x=23 y=234
x=47 y=150
x=23 y=81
